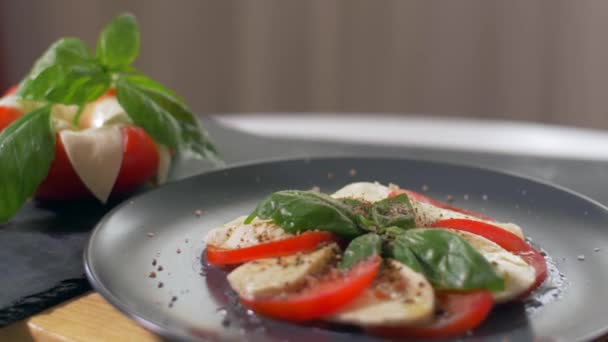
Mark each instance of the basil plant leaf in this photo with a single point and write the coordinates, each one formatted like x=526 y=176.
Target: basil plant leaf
x=394 y=211
x=362 y=211
x=27 y=148
x=447 y=260
x=193 y=137
x=361 y=248
x=66 y=73
x=295 y=211
x=148 y=113
x=118 y=43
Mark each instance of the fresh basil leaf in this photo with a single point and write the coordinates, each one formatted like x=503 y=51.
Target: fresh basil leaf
x=27 y=148
x=148 y=113
x=447 y=260
x=393 y=211
x=361 y=248
x=295 y=211
x=66 y=73
x=194 y=137
x=390 y=233
x=65 y=51
x=118 y=43
x=153 y=86
x=362 y=212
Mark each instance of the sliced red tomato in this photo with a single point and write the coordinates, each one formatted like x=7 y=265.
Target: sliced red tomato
x=425 y=199
x=139 y=164
x=322 y=299
x=139 y=161
x=460 y=312
x=301 y=243
x=506 y=240
x=7 y=116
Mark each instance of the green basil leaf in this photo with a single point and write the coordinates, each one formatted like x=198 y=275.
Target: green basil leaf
x=362 y=212
x=392 y=232
x=447 y=260
x=307 y=210
x=27 y=148
x=394 y=211
x=118 y=43
x=65 y=51
x=66 y=73
x=194 y=137
x=361 y=248
x=148 y=113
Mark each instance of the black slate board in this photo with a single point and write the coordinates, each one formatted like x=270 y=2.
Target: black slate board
x=41 y=247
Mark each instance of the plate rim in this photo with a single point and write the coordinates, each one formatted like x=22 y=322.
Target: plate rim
x=156 y=328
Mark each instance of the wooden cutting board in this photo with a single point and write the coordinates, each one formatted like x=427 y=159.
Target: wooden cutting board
x=85 y=318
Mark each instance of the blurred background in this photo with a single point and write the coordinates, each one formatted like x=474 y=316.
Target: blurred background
x=543 y=61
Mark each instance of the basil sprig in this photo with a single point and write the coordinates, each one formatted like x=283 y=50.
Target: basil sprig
x=296 y=210
x=386 y=228
x=27 y=148
x=68 y=73
x=448 y=261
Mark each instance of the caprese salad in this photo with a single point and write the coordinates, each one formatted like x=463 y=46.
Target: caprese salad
x=391 y=261
x=85 y=124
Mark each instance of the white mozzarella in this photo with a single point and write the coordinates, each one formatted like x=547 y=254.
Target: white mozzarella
x=408 y=298
x=97 y=164
x=103 y=112
x=237 y=234
x=517 y=274
x=371 y=192
x=63 y=116
x=271 y=276
x=164 y=164
x=426 y=214
x=11 y=101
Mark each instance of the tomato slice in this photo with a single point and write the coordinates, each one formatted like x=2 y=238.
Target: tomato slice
x=62 y=182
x=7 y=116
x=460 y=312
x=301 y=243
x=139 y=164
x=139 y=160
x=425 y=199
x=324 y=298
x=506 y=240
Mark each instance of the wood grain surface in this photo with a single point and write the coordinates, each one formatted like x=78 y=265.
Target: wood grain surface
x=86 y=318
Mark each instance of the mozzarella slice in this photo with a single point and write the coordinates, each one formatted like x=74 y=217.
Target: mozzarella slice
x=105 y=111
x=426 y=214
x=11 y=101
x=236 y=234
x=14 y=101
x=63 y=116
x=164 y=164
x=407 y=298
x=517 y=274
x=96 y=156
x=267 y=277
x=371 y=192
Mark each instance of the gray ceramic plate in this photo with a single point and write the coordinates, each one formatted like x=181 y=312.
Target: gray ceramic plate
x=162 y=229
